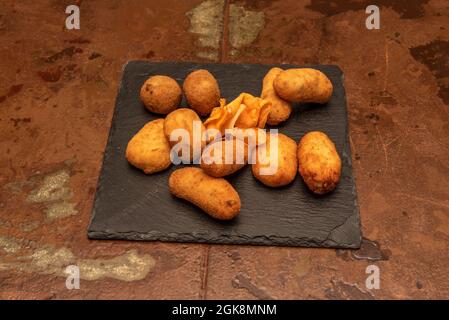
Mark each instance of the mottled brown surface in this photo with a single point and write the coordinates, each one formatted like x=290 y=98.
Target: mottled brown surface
x=57 y=91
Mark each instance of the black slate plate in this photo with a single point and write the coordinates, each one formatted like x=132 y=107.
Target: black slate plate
x=134 y=206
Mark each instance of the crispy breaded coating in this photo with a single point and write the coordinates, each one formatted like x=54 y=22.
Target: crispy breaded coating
x=149 y=150
x=215 y=196
x=303 y=85
x=222 y=158
x=319 y=162
x=161 y=94
x=271 y=170
x=280 y=109
x=201 y=91
x=186 y=119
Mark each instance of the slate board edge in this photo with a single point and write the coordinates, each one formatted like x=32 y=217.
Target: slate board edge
x=328 y=242
x=190 y=238
x=355 y=217
x=98 y=190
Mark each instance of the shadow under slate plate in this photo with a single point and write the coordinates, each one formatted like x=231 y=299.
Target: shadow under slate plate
x=133 y=206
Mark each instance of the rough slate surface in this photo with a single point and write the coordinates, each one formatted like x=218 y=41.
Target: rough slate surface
x=134 y=206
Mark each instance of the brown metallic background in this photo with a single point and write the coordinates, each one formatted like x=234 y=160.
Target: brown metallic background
x=57 y=92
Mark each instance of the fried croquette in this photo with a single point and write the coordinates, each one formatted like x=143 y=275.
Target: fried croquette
x=191 y=125
x=222 y=158
x=303 y=85
x=318 y=162
x=201 y=91
x=215 y=196
x=272 y=170
x=280 y=109
x=149 y=150
x=161 y=94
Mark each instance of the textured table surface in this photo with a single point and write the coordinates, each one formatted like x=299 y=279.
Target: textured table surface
x=57 y=92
